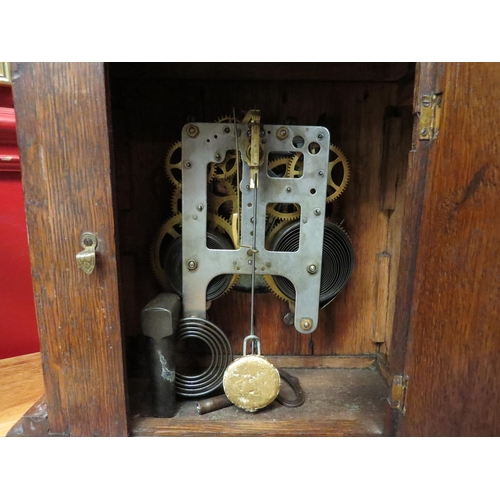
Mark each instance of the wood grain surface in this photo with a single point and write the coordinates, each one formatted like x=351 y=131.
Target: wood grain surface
x=64 y=145
x=339 y=402
x=453 y=340
x=21 y=384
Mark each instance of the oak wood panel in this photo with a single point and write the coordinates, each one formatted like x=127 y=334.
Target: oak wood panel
x=33 y=423
x=393 y=191
x=339 y=402
x=428 y=80
x=21 y=384
x=64 y=144
x=454 y=343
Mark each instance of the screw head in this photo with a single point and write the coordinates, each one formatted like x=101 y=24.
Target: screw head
x=312 y=269
x=321 y=136
x=199 y=207
x=288 y=189
x=227 y=130
x=192 y=131
x=288 y=318
x=250 y=262
x=321 y=173
x=423 y=131
x=426 y=103
x=192 y=265
x=247 y=186
x=188 y=164
x=282 y=133
x=217 y=156
x=306 y=323
x=317 y=211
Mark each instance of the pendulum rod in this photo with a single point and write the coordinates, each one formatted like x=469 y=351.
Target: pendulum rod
x=254 y=251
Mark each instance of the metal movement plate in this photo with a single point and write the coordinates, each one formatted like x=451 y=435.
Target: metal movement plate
x=201 y=264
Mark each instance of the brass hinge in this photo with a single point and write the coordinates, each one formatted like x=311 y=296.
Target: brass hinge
x=398 y=393
x=430 y=116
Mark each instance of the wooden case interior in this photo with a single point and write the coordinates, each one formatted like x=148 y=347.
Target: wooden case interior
x=368 y=111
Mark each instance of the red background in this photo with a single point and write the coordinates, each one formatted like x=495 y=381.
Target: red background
x=18 y=329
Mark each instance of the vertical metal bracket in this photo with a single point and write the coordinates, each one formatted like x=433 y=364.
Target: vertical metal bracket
x=398 y=393
x=430 y=116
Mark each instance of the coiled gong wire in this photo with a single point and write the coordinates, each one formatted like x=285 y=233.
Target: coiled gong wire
x=221 y=356
x=337 y=264
x=173 y=262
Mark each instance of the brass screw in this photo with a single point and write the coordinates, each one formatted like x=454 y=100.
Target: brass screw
x=192 y=131
x=306 y=323
x=282 y=133
x=423 y=131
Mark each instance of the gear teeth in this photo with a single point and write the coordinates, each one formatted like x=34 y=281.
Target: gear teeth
x=168 y=227
x=226 y=119
x=174 y=201
x=215 y=201
x=279 y=162
x=273 y=212
x=222 y=166
x=216 y=222
x=269 y=279
x=292 y=163
x=338 y=190
x=170 y=167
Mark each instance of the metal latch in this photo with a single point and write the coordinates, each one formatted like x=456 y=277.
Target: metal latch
x=430 y=116
x=86 y=258
x=398 y=393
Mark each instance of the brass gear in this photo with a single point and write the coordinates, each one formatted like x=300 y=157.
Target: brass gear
x=337 y=164
x=176 y=201
x=283 y=211
x=226 y=119
x=295 y=166
x=222 y=192
x=226 y=168
x=269 y=279
x=279 y=167
x=173 y=227
x=220 y=224
x=173 y=164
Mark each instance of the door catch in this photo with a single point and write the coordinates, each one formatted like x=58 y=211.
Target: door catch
x=86 y=258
